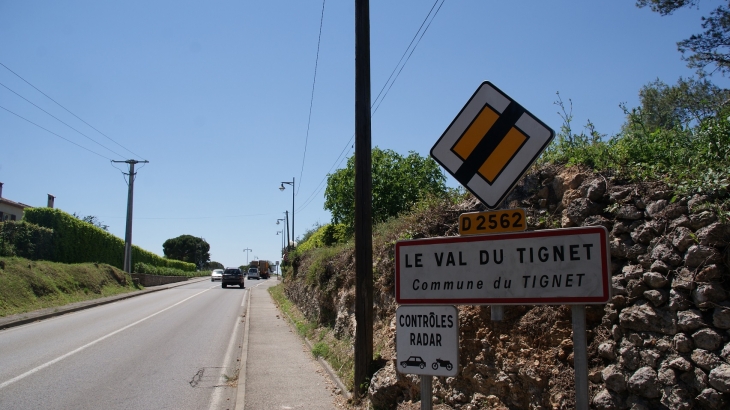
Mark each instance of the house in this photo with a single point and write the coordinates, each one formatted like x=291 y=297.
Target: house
x=10 y=210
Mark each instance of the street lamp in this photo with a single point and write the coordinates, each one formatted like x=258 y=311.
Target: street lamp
x=281 y=188
x=286 y=230
x=247 y=251
x=282 y=244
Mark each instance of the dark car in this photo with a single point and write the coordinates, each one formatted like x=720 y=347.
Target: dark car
x=232 y=276
x=415 y=361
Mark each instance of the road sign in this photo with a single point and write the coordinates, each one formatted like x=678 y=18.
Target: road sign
x=559 y=266
x=427 y=340
x=490 y=144
x=480 y=223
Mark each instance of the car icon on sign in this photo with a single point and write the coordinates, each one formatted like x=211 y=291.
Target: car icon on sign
x=414 y=361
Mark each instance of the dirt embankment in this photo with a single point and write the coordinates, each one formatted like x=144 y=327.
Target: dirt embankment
x=662 y=341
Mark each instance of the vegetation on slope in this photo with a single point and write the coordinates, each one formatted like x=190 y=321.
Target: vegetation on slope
x=27 y=285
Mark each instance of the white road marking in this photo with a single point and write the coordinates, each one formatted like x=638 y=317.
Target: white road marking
x=58 y=359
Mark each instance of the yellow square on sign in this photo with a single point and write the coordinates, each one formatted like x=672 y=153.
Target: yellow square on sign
x=490 y=144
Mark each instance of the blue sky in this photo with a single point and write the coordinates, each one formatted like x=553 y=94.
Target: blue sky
x=216 y=96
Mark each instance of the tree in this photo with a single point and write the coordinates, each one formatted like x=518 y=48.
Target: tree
x=214 y=265
x=689 y=101
x=187 y=248
x=712 y=47
x=398 y=183
x=93 y=220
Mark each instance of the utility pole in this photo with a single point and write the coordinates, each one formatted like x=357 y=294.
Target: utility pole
x=247 y=251
x=130 y=204
x=363 y=201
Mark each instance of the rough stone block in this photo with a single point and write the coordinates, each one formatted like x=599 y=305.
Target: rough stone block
x=644 y=383
x=707 y=339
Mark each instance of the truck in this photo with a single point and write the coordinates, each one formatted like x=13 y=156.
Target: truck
x=263 y=267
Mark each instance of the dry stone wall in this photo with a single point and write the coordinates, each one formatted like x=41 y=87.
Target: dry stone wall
x=661 y=343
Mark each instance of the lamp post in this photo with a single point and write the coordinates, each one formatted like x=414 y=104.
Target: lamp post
x=247 y=251
x=282 y=246
x=281 y=188
x=285 y=230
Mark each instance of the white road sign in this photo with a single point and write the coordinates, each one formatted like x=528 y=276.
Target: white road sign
x=491 y=143
x=427 y=340
x=559 y=266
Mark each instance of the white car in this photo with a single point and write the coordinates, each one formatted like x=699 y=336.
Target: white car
x=217 y=274
x=253 y=273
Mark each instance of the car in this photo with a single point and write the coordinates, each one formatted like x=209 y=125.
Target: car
x=232 y=276
x=414 y=361
x=253 y=273
x=217 y=274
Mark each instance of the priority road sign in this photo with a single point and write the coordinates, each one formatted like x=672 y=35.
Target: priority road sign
x=427 y=340
x=490 y=144
x=558 y=266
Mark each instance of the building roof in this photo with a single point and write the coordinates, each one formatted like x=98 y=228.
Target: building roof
x=13 y=203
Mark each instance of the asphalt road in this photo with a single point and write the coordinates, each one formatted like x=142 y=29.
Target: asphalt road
x=174 y=349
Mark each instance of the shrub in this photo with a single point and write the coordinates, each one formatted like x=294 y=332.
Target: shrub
x=26 y=240
x=76 y=241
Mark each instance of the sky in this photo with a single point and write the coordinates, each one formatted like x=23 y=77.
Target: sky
x=216 y=96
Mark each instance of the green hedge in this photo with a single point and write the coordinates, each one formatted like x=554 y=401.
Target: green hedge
x=26 y=240
x=140 y=267
x=75 y=241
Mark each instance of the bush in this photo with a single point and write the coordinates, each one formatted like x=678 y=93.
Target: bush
x=141 y=267
x=76 y=241
x=326 y=235
x=26 y=240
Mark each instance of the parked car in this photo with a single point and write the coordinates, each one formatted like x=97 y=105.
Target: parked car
x=253 y=273
x=232 y=276
x=217 y=274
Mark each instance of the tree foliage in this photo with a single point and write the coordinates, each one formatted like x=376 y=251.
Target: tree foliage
x=689 y=101
x=91 y=219
x=711 y=47
x=187 y=248
x=398 y=183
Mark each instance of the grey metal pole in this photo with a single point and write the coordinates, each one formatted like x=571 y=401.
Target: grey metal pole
x=288 y=241
x=293 y=238
x=580 y=357
x=363 y=201
x=497 y=312
x=247 y=251
x=426 y=392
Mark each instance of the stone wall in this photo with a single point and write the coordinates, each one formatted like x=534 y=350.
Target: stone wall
x=662 y=341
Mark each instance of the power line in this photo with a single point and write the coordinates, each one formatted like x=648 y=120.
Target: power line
x=409 y=55
x=404 y=53
x=59 y=120
x=65 y=139
x=67 y=110
x=311 y=99
x=339 y=161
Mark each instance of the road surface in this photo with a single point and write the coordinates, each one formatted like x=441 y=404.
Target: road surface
x=174 y=349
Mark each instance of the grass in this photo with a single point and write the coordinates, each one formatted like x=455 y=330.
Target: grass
x=338 y=353
x=27 y=285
